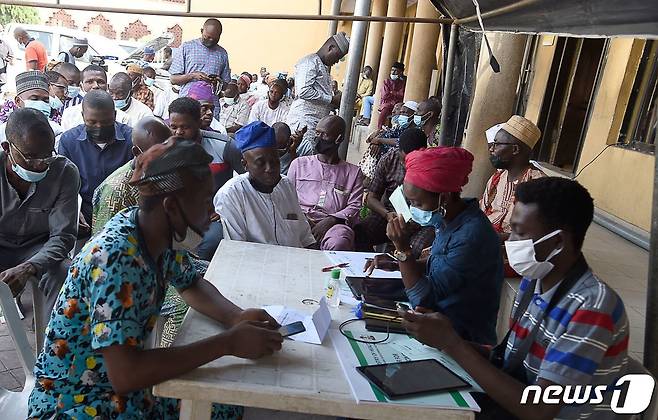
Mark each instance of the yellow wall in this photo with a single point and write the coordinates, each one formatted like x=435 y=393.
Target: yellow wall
x=620 y=180
x=275 y=44
x=543 y=59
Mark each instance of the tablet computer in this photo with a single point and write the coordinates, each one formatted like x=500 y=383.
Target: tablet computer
x=404 y=379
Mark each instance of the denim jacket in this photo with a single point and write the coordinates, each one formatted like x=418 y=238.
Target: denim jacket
x=464 y=275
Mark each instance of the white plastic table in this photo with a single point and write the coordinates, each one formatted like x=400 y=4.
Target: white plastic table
x=302 y=377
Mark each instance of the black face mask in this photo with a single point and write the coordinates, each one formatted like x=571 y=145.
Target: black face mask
x=325 y=147
x=103 y=134
x=498 y=163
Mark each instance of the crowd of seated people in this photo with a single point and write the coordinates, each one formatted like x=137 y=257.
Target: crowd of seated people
x=132 y=171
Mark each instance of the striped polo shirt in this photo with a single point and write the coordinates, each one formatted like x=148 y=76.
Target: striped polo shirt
x=582 y=341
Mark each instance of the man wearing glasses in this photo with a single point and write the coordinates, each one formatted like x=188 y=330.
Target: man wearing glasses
x=38 y=208
x=509 y=153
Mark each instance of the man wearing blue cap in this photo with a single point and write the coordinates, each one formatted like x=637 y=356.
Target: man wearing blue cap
x=147 y=58
x=261 y=205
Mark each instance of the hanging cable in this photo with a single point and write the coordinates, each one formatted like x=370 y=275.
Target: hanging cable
x=492 y=59
x=592 y=161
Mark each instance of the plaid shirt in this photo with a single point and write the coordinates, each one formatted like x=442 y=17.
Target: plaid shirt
x=194 y=56
x=389 y=174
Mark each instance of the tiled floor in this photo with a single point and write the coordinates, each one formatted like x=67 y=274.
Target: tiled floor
x=621 y=264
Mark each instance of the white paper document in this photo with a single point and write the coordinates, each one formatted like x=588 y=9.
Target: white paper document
x=356 y=261
x=400 y=203
x=316 y=324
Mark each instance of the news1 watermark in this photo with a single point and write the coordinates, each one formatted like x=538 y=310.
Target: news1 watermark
x=638 y=395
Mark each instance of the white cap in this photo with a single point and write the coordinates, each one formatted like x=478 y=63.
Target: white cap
x=412 y=105
x=342 y=41
x=491 y=132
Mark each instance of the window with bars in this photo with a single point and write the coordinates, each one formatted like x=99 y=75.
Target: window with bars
x=638 y=129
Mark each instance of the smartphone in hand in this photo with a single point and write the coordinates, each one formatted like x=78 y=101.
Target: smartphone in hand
x=292 y=329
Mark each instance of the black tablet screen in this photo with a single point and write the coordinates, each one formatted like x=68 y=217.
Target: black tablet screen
x=414 y=377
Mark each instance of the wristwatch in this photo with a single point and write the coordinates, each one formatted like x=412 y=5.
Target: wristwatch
x=402 y=256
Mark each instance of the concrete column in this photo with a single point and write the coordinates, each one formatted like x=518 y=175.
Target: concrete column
x=425 y=39
x=357 y=43
x=493 y=102
x=375 y=36
x=335 y=10
x=390 y=51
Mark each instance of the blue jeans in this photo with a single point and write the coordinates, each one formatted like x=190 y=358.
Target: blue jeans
x=366 y=109
x=210 y=241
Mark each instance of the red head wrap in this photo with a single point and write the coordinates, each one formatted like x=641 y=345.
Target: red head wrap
x=439 y=169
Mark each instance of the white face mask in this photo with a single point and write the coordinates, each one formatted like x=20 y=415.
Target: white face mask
x=394 y=76
x=522 y=257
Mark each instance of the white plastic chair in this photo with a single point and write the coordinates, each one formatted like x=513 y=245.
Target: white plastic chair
x=651 y=413
x=13 y=405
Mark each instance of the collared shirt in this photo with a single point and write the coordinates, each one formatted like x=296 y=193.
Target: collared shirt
x=72 y=117
x=112 y=296
x=48 y=214
x=327 y=190
x=234 y=114
x=261 y=111
x=71 y=102
x=314 y=94
x=583 y=340
x=143 y=94
x=95 y=164
x=194 y=56
x=497 y=202
x=113 y=195
x=464 y=275
x=253 y=216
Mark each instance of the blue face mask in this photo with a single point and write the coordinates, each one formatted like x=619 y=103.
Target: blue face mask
x=43 y=107
x=403 y=121
x=395 y=120
x=418 y=120
x=148 y=81
x=55 y=102
x=25 y=175
x=425 y=217
x=72 y=91
x=120 y=103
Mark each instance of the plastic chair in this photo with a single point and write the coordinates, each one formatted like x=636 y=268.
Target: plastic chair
x=651 y=413
x=13 y=405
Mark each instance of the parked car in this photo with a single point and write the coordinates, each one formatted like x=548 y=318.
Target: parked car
x=116 y=54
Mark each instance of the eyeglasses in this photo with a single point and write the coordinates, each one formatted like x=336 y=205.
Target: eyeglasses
x=493 y=145
x=36 y=162
x=58 y=86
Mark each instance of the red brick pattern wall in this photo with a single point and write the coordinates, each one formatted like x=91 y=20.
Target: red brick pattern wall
x=61 y=18
x=177 y=31
x=104 y=26
x=135 y=31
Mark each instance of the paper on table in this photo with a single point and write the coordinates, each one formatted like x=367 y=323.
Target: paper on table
x=400 y=203
x=316 y=324
x=357 y=260
x=397 y=348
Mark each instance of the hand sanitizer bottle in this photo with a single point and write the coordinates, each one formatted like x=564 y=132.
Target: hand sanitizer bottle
x=333 y=288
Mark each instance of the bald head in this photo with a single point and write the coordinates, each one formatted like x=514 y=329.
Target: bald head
x=21 y=35
x=120 y=86
x=333 y=126
x=70 y=72
x=148 y=132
